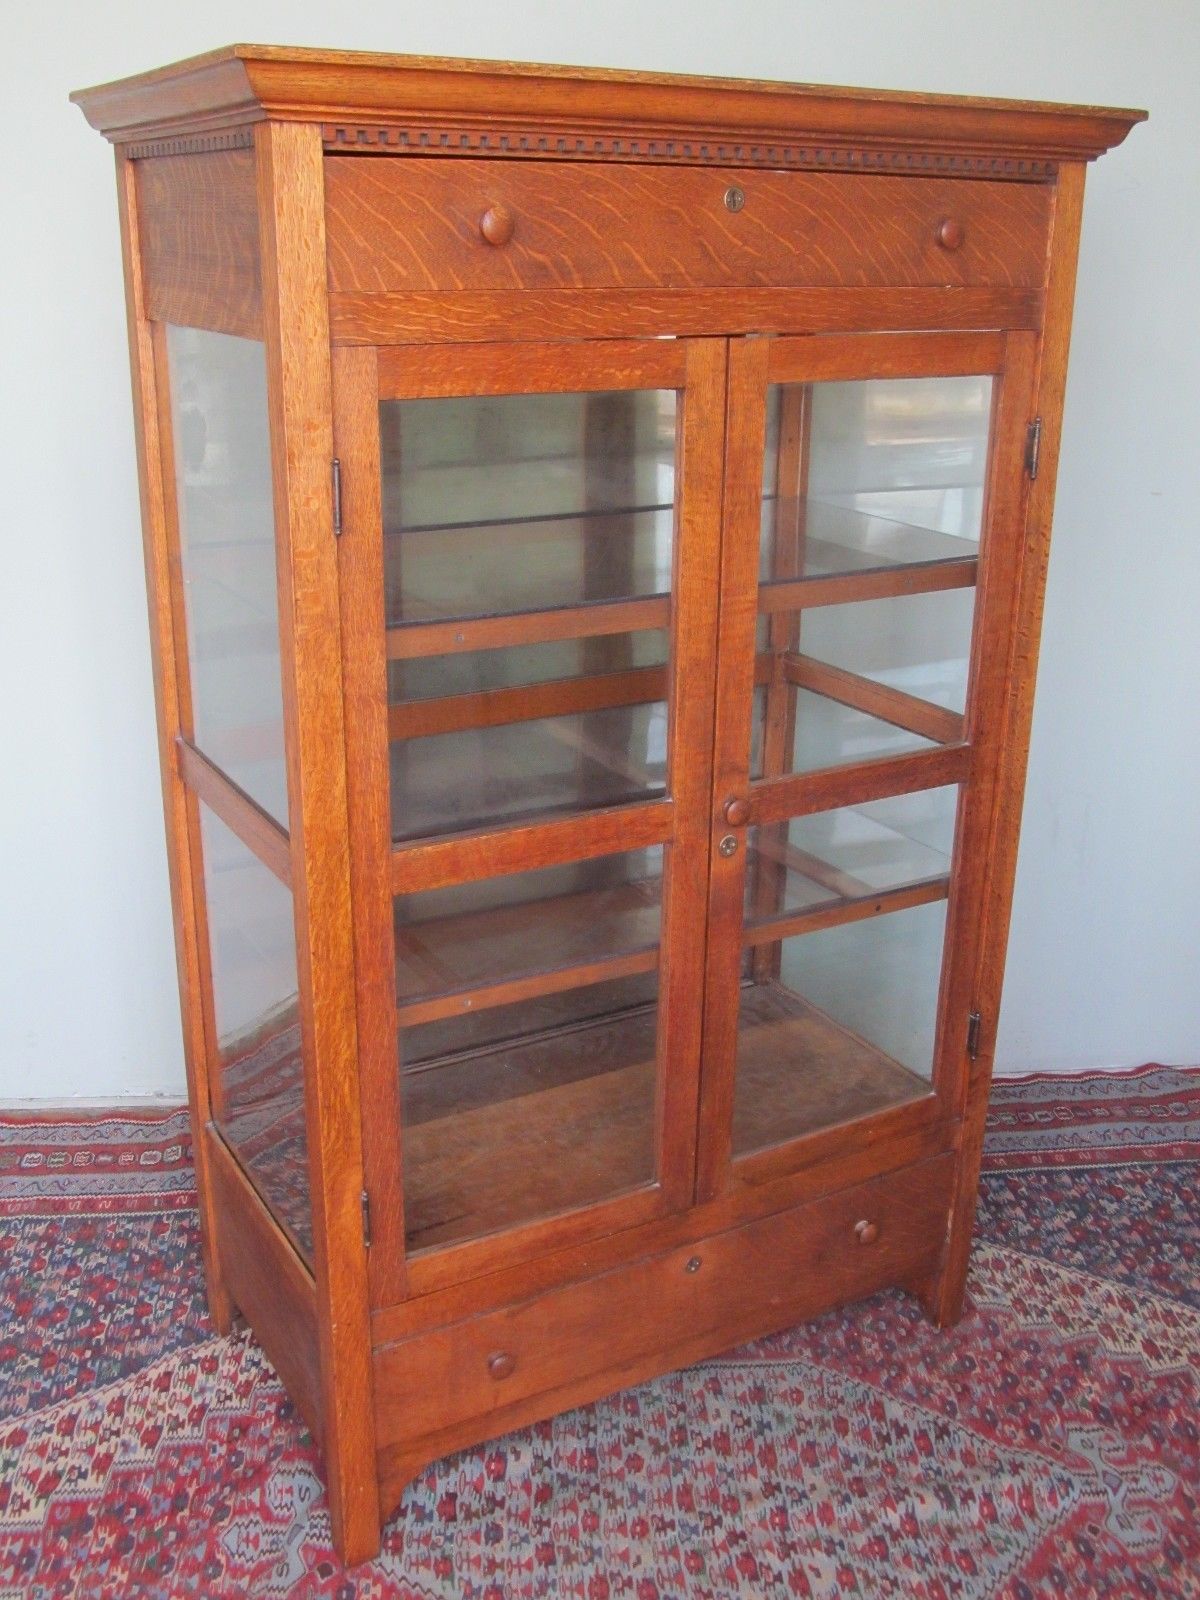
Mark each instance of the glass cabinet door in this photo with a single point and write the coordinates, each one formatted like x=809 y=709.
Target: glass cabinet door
x=857 y=532
x=543 y=838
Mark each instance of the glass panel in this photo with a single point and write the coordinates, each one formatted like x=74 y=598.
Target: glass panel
x=873 y=473
x=858 y=478
x=475 y=671
x=503 y=506
x=227 y=553
x=825 y=733
x=498 y=504
x=918 y=643
x=850 y=854
x=449 y=941
x=842 y=1028
x=252 y=941
x=524 y=1110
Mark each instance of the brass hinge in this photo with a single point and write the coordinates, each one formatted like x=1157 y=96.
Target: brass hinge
x=364 y=1201
x=1033 y=447
x=973 y=1024
x=337 y=495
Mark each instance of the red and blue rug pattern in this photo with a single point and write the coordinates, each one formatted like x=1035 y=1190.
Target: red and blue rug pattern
x=1048 y=1446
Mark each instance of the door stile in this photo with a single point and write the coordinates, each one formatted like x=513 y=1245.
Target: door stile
x=783 y=635
x=745 y=434
x=290 y=181
x=364 y=681
x=695 y=588
x=1003 y=513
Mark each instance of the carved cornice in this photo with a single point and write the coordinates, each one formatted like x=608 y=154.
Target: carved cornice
x=191 y=144
x=389 y=103
x=355 y=138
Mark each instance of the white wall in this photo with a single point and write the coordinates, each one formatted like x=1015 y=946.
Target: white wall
x=1104 y=957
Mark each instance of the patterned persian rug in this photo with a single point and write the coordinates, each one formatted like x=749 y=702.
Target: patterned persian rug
x=1048 y=1446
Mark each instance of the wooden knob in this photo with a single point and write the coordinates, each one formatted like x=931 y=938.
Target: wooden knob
x=737 y=813
x=950 y=233
x=497 y=224
x=502 y=1365
x=866 y=1232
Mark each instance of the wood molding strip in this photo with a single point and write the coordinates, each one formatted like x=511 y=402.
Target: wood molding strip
x=830 y=916
x=492 y=708
x=435 y=103
x=842 y=588
x=258 y=831
x=780 y=798
x=383 y=318
x=436 y=372
x=412 y=640
x=876 y=699
x=884 y=355
x=523 y=846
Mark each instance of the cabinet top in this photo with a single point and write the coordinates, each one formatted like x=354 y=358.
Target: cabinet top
x=433 y=105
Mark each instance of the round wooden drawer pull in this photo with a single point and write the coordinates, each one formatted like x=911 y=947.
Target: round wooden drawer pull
x=502 y=1365
x=737 y=813
x=950 y=233
x=497 y=224
x=866 y=1232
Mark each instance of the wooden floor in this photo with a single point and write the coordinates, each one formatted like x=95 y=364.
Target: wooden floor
x=565 y=1119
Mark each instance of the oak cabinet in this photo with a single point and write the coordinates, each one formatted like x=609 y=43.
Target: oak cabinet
x=595 y=530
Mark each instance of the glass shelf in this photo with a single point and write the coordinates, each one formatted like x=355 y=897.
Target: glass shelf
x=840 y=539
x=487 y=569
x=853 y=853
x=532 y=926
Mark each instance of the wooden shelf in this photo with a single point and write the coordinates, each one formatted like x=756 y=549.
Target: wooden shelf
x=799 y=1072
x=529 y=1128
x=573 y=1113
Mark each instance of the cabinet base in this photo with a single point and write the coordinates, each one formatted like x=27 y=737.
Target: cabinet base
x=456 y=1386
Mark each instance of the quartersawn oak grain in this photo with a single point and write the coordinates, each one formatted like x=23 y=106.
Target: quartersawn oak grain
x=334 y=205
x=414 y=225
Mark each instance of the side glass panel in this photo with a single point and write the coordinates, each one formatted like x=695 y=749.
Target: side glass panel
x=528 y=548
x=844 y=934
x=871 y=518
x=252 y=948
x=227 y=553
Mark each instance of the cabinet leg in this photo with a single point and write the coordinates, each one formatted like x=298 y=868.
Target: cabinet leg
x=220 y=1305
x=945 y=1294
x=355 y=1512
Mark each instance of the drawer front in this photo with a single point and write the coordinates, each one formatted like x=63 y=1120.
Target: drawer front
x=409 y=224
x=729 y=1287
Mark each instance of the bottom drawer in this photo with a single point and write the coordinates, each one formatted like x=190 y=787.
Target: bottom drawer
x=475 y=1378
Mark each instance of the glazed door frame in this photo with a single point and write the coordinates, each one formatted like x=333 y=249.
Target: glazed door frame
x=363 y=376
x=968 y=748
